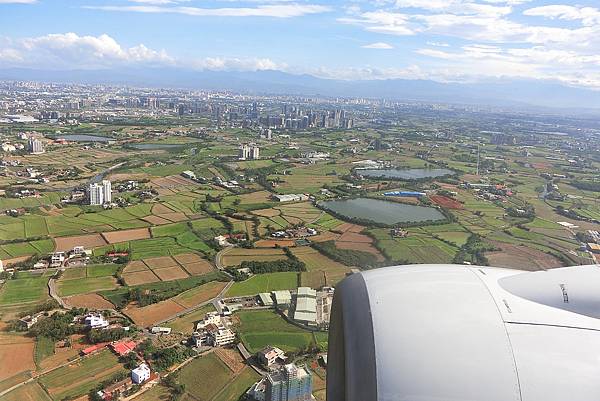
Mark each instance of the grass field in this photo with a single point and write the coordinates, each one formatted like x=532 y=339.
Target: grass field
x=261 y=328
x=29 y=392
x=44 y=347
x=236 y=388
x=85 y=285
x=80 y=377
x=235 y=256
x=264 y=283
x=208 y=366
x=332 y=271
x=26 y=288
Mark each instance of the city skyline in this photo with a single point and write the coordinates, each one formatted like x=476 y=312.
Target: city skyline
x=447 y=41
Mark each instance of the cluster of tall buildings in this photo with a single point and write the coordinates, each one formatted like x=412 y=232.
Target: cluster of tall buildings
x=100 y=193
x=289 y=383
x=249 y=152
x=35 y=146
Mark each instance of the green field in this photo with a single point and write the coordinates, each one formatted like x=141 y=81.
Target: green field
x=85 y=285
x=235 y=389
x=261 y=328
x=208 y=366
x=25 y=288
x=44 y=347
x=264 y=283
x=186 y=323
x=79 y=378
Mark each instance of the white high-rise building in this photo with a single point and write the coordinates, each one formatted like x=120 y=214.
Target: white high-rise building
x=254 y=152
x=96 y=194
x=35 y=146
x=244 y=152
x=107 y=189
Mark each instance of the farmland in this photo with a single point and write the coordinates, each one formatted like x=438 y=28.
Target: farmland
x=264 y=283
x=261 y=328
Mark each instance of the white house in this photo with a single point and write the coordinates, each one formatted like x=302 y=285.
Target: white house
x=95 y=321
x=140 y=374
x=209 y=318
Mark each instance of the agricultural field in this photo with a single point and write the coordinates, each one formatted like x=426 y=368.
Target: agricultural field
x=80 y=377
x=261 y=328
x=321 y=269
x=208 y=366
x=187 y=322
x=235 y=256
x=16 y=354
x=25 y=288
x=264 y=283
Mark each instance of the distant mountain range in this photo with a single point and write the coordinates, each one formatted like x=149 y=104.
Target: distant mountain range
x=506 y=93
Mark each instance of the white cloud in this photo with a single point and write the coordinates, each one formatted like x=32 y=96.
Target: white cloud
x=588 y=16
x=378 y=45
x=438 y=44
x=72 y=51
x=18 y=1
x=382 y=22
x=265 y=10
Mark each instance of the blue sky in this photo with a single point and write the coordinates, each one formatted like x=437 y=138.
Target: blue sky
x=444 y=40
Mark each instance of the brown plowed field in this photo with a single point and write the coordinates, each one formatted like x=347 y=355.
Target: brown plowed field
x=272 y=243
x=231 y=358
x=149 y=315
x=114 y=237
x=16 y=355
x=351 y=236
x=174 y=217
x=266 y=212
x=188 y=258
x=200 y=294
x=170 y=273
x=90 y=301
x=360 y=246
x=138 y=278
x=198 y=268
x=135 y=266
x=446 y=202
x=160 y=262
x=159 y=208
x=521 y=257
x=155 y=220
x=88 y=241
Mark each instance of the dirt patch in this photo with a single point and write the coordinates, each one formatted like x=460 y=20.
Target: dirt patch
x=325 y=236
x=156 y=221
x=188 y=258
x=90 y=301
x=198 y=268
x=361 y=246
x=135 y=266
x=151 y=314
x=160 y=262
x=231 y=358
x=173 y=217
x=138 y=278
x=446 y=202
x=89 y=241
x=159 y=208
x=16 y=354
x=114 y=237
x=171 y=273
x=351 y=236
x=12 y=261
x=266 y=212
x=521 y=257
x=200 y=294
x=272 y=243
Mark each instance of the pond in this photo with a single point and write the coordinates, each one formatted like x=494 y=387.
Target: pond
x=86 y=138
x=380 y=211
x=406 y=174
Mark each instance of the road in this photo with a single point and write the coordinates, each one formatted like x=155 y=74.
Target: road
x=54 y=293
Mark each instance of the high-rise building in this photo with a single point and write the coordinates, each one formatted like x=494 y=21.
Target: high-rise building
x=35 y=146
x=96 y=194
x=289 y=383
x=244 y=152
x=107 y=191
x=254 y=152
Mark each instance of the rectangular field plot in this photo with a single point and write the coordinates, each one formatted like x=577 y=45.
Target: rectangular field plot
x=264 y=283
x=151 y=314
x=333 y=271
x=135 y=266
x=140 y=277
x=126 y=235
x=27 y=287
x=198 y=268
x=204 y=377
x=29 y=392
x=16 y=354
x=85 y=285
x=236 y=256
x=170 y=273
x=79 y=378
x=89 y=241
x=200 y=294
x=261 y=328
x=160 y=262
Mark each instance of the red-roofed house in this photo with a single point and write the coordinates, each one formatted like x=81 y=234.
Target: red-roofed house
x=123 y=347
x=93 y=348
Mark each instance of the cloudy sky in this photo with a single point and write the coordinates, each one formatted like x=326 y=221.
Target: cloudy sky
x=444 y=40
